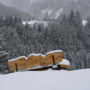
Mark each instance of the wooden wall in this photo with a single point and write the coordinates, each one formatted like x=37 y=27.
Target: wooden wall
x=32 y=60
x=21 y=64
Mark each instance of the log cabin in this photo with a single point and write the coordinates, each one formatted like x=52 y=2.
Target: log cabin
x=37 y=61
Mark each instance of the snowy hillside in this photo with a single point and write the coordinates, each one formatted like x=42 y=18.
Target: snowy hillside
x=46 y=80
x=8 y=11
x=53 y=7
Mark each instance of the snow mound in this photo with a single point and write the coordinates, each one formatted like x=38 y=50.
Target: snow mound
x=64 y=62
x=46 y=80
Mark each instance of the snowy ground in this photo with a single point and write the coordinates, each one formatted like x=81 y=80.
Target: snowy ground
x=46 y=80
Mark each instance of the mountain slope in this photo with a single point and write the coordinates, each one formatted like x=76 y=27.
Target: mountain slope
x=36 y=7
x=62 y=6
x=8 y=11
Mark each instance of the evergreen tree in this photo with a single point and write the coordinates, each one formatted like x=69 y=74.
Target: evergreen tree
x=72 y=18
x=3 y=57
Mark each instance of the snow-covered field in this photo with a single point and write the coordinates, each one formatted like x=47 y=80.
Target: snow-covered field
x=46 y=80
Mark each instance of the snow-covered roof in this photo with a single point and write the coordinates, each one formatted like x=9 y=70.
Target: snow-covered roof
x=34 y=54
x=64 y=62
x=18 y=58
x=54 y=51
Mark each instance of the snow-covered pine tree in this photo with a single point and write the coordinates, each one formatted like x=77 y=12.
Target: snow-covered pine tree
x=3 y=57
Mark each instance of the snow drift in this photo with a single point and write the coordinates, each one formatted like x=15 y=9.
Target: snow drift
x=46 y=80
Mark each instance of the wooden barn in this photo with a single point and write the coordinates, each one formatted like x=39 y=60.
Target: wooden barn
x=37 y=61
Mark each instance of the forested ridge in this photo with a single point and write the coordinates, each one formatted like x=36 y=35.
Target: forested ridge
x=38 y=8
x=65 y=33
x=11 y=11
